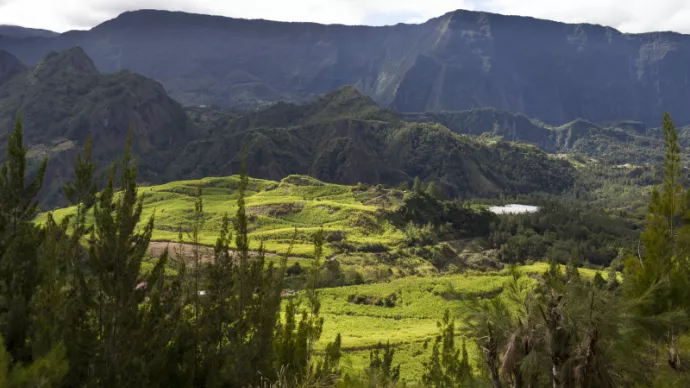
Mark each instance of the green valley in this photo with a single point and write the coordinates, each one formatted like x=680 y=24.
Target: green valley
x=431 y=205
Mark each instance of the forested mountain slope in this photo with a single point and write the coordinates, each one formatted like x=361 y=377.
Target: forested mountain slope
x=617 y=142
x=344 y=137
x=64 y=99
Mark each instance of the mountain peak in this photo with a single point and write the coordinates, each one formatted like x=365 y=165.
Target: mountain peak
x=73 y=60
x=12 y=31
x=9 y=66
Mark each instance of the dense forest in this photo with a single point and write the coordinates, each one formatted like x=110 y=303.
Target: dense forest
x=77 y=308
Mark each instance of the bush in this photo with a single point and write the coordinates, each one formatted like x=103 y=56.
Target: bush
x=388 y=301
x=372 y=248
x=294 y=270
x=420 y=236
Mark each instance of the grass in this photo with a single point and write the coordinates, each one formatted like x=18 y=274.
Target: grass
x=277 y=210
x=411 y=324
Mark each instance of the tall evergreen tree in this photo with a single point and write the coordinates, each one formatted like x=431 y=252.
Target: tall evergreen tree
x=446 y=368
x=19 y=242
x=128 y=306
x=661 y=275
x=435 y=191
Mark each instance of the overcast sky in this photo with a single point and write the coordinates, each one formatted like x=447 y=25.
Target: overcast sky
x=625 y=15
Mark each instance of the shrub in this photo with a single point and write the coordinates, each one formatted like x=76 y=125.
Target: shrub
x=372 y=248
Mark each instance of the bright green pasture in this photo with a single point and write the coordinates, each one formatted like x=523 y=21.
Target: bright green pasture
x=412 y=323
x=275 y=210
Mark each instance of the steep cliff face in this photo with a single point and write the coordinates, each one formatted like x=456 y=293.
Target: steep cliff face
x=64 y=96
x=551 y=71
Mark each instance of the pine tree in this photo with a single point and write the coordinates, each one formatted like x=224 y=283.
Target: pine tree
x=194 y=235
x=250 y=352
x=445 y=368
x=19 y=242
x=216 y=311
x=417 y=187
x=599 y=281
x=381 y=370
x=127 y=305
x=295 y=341
x=47 y=371
x=435 y=191
x=662 y=274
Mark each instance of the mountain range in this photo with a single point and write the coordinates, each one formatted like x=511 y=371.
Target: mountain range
x=342 y=136
x=463 y=60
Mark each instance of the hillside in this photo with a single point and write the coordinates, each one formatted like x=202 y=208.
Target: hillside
x=275 y=208
x=341 y=137
x=64 y=99
x=462 y=60
x=344 y=137
x=617 y=142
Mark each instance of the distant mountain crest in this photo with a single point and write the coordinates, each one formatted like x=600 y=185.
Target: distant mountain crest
x=551 y=71
x=73 y=60
x=23 y=32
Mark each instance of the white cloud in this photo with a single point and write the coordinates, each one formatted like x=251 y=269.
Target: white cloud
x=626 y=15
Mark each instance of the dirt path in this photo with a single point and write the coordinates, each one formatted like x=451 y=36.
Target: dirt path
x=156 y=249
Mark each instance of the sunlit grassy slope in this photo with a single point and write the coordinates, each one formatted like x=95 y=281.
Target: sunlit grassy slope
x=411 y=323
x=275 y=210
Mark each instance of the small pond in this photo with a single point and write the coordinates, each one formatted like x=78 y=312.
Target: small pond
x=513 y=209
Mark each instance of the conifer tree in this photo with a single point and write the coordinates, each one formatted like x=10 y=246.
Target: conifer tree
x=19 y=242
x=661 y=275
x=249 y=353
x=194 y=235
x=445 y=368
x=381 y=370
x=47 y=371
x=130 y=309
x=295 y=341
x=417 y=187
x=435 y=191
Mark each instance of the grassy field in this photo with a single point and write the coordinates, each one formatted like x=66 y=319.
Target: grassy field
x=410 y=323
x=276 y=211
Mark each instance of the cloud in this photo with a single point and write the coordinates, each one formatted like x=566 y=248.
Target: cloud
x=628 y=15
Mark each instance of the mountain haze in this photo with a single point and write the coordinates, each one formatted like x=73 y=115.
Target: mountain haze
x=550 y=71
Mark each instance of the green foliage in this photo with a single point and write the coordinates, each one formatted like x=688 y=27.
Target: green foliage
x=381 y=369
x=124 y=329
x=660 y=276
x=19 y=242
x=446 y=368
x=561 y=232
x=599 y=282
x=45 y=372
x=435 y=191
x=423 y=209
